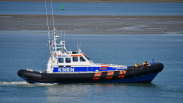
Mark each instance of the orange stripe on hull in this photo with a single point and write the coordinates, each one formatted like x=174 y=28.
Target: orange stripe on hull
x=95 y=79
x=109 y=77
x=122 y=72
x=110 y=73
x=98 y=74
x=121 y=76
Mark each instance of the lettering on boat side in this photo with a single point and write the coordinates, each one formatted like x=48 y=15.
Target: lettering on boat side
x=103 y=67
x=65 y=69
x=63 y=56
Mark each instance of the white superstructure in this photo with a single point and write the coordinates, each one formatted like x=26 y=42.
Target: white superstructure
x=63 y=61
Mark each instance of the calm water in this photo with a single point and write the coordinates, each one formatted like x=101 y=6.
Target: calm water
x=28 y=49
x=38 y=8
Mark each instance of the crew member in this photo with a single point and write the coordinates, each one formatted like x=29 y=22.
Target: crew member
x=137 y=65
x=145 y=64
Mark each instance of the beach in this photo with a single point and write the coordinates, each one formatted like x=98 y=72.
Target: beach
x=80 y=24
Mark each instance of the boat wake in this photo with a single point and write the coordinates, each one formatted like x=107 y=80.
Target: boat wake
x=13 y=82
x=23 y=83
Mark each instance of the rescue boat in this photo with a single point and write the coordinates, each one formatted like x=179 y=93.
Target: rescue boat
x=76 y=67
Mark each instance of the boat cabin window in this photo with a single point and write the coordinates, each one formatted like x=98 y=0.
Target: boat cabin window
x=87 y=57
x=60 y=60
x=68 y=60
x=75 y=59
x=82 y=59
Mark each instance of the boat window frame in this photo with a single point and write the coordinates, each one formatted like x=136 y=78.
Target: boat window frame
x=59 y=60
x=87 y=57
x=74 y=60
x=67 y=61
x=84 y=60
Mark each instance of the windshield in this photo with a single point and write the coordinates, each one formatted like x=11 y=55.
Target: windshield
x=87 y=57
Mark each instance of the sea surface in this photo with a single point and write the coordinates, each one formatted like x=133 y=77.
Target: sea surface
x=28 y=49
x=38 y=8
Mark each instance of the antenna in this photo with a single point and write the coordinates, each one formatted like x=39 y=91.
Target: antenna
x=52 y=14
x=77 y=45
x=64 y=39
x=48 y=27
x=80 y=45
x=61 y=34
x=64 y=35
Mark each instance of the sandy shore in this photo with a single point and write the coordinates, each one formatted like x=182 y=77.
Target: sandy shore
x=102 y=1
x=96 y=24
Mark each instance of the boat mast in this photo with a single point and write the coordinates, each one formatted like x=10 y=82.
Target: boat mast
x=48 y=28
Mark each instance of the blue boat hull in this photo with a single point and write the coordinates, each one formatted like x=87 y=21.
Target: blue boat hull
x=141 y=79
x=131 y=75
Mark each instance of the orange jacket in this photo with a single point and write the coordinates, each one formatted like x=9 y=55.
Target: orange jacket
x=145 y=64
x=137 y=65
